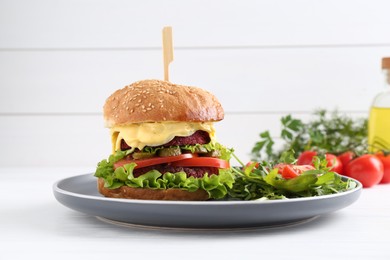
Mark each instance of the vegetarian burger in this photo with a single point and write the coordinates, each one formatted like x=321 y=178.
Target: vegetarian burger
x=163 y=144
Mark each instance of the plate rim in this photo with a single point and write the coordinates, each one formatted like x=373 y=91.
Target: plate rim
x=57 y=189
x=208 y=229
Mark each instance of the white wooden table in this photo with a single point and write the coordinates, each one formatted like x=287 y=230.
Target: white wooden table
x=33 y=225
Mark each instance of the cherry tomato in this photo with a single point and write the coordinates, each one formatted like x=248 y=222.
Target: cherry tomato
x=334 y=163
x=306 y=158
x=203 y=162
x=250 y=163
x=345 y=158
x=367 y=169
x=153 y=161
x=386 y=167
x=289 y=171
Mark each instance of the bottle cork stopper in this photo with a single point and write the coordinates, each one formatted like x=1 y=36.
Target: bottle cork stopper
x=386 y=63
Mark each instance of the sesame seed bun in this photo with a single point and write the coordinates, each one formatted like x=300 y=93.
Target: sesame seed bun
x=126 y=192
x=159 y=101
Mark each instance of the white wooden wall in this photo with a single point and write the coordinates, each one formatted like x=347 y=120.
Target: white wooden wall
x=60 y=59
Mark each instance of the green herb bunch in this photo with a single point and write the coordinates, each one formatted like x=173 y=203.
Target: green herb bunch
x=327 y=132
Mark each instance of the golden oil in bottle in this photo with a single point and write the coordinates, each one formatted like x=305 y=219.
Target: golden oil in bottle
x=379 y=120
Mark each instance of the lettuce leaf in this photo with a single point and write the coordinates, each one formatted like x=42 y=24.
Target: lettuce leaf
x=215 y=185
x=297 y=184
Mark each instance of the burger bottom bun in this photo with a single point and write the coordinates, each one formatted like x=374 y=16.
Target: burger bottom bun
x=126 y=192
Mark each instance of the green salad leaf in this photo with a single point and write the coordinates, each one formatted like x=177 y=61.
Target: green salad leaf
x=297 y=184
x=261 y=180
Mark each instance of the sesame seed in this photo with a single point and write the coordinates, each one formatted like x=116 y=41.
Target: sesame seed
x=143 y=110
x=148 y=109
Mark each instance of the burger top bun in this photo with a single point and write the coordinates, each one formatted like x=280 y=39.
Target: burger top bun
x=159 y=101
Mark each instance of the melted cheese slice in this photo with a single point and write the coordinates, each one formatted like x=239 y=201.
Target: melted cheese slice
x=155 y=134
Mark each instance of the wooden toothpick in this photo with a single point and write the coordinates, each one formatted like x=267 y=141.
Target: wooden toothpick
x=167 y=50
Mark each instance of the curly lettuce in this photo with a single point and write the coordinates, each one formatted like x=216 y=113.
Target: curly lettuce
x=216 y=186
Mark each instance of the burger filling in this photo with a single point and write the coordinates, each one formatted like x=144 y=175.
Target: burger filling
x=190 y=162
x=177 y=146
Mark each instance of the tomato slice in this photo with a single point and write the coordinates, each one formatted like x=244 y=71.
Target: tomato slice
x=250 y=163
x=153 y=161
x=289 y=171
x=203 y=162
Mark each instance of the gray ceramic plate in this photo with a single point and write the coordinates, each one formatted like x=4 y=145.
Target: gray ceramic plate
x=80 y=193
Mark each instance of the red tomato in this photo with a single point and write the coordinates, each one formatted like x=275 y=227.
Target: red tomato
x=334 y=163
x=203 y=161
x=386 y=167
x=289 y=171
x=250 y=163
x=153 y=161
x=367 y=169
x=306 y=158
x=345 y=158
